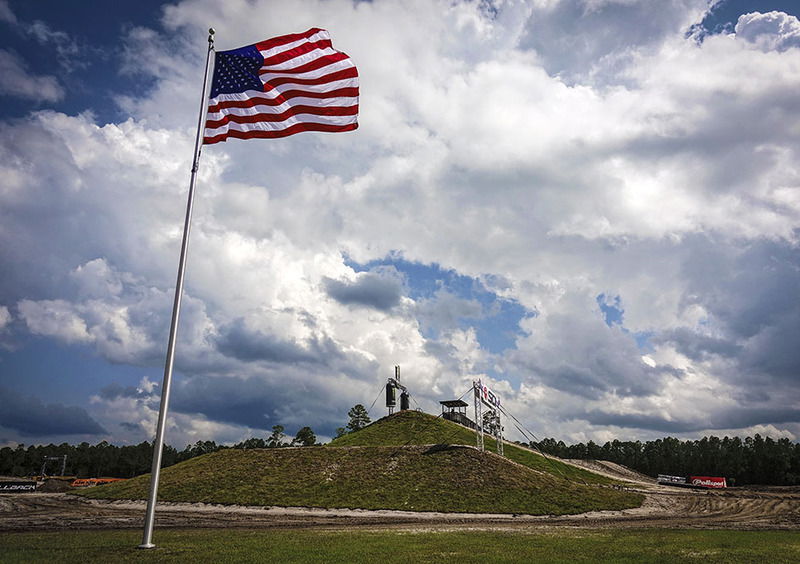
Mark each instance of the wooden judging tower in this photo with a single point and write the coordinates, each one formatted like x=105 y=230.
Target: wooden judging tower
x=456 y=411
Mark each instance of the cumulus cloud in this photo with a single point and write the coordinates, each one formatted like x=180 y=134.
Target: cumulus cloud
x=773 y=31
x=559 y=151
x=591 y=41
x=443 y=312
x=54 y=318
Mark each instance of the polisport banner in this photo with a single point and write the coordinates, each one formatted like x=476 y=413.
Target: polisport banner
x=708 y=482
x=487 y=396
x=17 y=487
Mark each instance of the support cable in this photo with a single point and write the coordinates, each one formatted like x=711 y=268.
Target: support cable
x=534 y=445
x=376 y=399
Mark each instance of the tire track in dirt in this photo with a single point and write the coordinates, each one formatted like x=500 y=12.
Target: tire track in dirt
x=664 y=507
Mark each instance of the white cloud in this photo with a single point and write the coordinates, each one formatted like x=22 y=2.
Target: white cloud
x=17 y=81
x=5 y=318
x=647 y=166
x=772 y=31
x=65 y=47
x=54 y=318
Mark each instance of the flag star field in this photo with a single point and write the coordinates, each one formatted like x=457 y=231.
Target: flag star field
x=236 y=71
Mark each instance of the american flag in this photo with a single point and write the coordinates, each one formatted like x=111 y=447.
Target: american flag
x=280 y=87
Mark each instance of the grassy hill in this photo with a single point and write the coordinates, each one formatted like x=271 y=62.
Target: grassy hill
x=417 y=428
x=414 y=478
x=410 y=460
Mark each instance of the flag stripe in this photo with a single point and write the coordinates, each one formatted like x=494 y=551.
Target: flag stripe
x=233 y=128
x=276 y=42
x=290 y=111
x=277 y=125
x=271 y=52
x=300 y=96
x=304 y=49
x=290 y=120
x=282 y=89
x=275 y=134
x=344 y=73
x=307 y=86
x=315 y=64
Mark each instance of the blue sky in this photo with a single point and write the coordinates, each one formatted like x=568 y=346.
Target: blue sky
x=593 y=206
x=53 y=38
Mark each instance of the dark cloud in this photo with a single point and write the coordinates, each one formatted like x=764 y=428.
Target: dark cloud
x=733 y=419
x=573 y=38
x=289 y=398
x=696 y=346
x=649 y=422
x=29 y=416
x=578 y=353
x=239 y=341
x=380 y=289
x=750 y=292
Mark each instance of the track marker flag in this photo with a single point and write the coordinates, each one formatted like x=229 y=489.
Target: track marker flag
x=274 y=88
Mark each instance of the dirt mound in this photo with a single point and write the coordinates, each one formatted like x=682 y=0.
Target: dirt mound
x=55 y=485
x=439 y=477
x=612 y=470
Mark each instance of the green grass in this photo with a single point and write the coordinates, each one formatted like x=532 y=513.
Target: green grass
x=414 y=478
x=567 y=545
x=417 y=428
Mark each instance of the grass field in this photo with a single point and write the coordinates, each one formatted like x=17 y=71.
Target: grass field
x=416 y=478
x=417 y=428
x=572 y=546
x=408 y=461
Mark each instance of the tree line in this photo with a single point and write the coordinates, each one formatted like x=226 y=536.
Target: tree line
x=752 y=460
x=111 y=461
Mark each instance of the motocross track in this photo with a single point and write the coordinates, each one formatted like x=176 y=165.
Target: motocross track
x=665 y=507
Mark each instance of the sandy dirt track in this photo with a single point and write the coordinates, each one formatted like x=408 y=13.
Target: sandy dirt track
x=739 y=508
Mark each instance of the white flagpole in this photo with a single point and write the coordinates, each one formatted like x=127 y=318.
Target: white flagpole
x=158 y=445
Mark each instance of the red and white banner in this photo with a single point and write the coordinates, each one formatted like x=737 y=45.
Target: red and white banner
x=707 y=482
x=487 y=396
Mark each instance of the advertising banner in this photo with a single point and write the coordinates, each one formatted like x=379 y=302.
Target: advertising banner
x=8 y=487
x=667 y=479
x=487 y=396
x=88 y=482
x=707 y=482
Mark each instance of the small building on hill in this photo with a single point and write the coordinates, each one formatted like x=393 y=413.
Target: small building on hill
x=456 y=411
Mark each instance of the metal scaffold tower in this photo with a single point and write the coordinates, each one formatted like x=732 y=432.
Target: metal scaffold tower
x=483 y=395
x=62 y=458
x=392 y=385
x=478 y=415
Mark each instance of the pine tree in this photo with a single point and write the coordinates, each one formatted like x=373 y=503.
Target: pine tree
x=359 y=418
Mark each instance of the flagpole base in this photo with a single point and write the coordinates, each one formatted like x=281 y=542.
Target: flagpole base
x=146 y=546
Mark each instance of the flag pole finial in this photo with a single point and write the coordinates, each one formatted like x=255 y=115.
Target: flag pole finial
x=211 y=33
